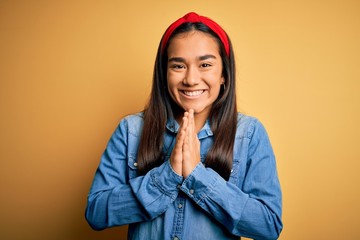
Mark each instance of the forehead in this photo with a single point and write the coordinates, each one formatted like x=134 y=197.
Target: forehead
x=195 y=42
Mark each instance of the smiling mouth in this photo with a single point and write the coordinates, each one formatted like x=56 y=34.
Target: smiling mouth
x=193 y=93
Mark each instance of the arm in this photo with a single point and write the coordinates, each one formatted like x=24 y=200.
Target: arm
x=114 y=199
x=254 y=210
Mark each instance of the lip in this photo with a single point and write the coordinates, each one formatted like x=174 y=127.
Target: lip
x=192 y=93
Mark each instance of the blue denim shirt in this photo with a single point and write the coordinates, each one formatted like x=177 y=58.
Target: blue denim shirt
x=164 y=205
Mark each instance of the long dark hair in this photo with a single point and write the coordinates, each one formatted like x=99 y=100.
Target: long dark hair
x=161 y=107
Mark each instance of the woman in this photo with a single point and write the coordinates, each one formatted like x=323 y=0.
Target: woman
x=189 y=166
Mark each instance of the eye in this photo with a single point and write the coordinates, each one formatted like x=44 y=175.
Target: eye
x=205 y=65
x=177 y=66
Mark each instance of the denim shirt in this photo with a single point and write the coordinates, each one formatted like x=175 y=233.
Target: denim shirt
x=163 y=205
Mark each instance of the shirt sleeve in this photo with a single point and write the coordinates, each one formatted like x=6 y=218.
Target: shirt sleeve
x=115 y=200
x=252 y=209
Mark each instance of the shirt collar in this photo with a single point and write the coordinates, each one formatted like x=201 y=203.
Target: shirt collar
x=172 y=125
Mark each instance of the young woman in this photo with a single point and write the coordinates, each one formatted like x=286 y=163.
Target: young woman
x=189 y=166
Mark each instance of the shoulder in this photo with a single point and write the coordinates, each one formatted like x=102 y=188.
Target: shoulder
x=247 y=125
x=133 y=123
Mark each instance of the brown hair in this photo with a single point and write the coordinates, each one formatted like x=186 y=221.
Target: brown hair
x=161 y=107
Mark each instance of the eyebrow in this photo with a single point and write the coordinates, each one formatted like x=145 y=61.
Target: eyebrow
x=201 y=58
x=206 y=57
x=176 y=59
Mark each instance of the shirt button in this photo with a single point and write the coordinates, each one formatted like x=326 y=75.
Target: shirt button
x=178 y=186
x=180 y=206
x=191 y=191
x=135 y=164
x=176 y=238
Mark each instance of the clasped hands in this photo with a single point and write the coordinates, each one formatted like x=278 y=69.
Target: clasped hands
x=186 y=153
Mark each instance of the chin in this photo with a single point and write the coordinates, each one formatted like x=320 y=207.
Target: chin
x=198 y=110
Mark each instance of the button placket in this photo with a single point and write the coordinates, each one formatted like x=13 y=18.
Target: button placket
x=179 y=217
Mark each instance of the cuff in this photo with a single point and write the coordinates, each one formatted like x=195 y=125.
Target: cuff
x=200 y=183
x=166 y=180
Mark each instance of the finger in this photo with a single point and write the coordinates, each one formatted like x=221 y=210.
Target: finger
x=191 y=142
x=180 y=140
x=176 y=157
x=182 y=132
x=186 y=137
x=191 y=128
x=185 y=122
x=192 y=120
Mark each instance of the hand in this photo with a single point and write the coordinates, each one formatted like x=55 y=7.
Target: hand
x=191 y=146
x=176 y=158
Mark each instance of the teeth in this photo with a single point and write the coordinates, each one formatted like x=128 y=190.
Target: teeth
x=193 y=93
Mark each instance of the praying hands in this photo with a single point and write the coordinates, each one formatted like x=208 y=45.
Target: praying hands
x=186 y=153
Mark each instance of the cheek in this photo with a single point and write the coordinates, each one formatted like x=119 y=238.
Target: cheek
x=170 y=84
x=171 y=88
x=173 y=79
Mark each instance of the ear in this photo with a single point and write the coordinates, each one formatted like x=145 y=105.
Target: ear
x=222 y=80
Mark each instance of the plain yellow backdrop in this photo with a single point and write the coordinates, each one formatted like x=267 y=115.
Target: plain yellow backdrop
x=70 y=70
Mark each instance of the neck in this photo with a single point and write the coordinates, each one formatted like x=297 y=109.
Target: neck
x=200 y=119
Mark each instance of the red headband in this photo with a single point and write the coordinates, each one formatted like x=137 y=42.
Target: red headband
x=193 y=18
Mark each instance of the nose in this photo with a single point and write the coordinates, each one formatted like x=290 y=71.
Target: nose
x=192 y=77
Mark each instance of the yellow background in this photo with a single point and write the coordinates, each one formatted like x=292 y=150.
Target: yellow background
x=70 y=70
